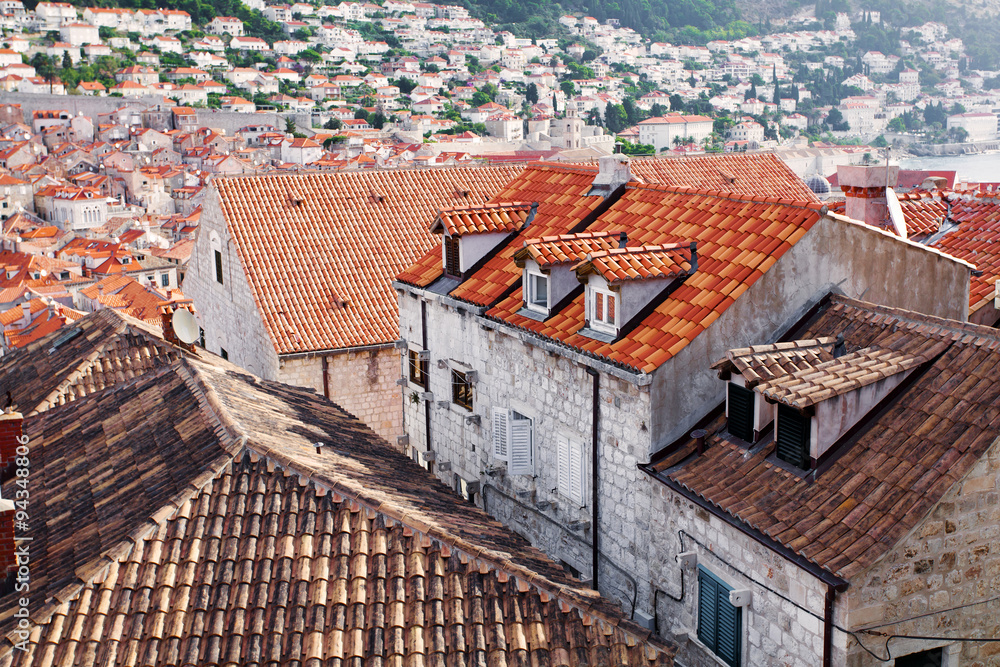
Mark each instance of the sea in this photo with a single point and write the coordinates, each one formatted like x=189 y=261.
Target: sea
x=980 y=168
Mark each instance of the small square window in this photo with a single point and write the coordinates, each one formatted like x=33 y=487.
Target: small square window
x=461 y=390
x=418 y=369
x=538 y=292
x=603 y=307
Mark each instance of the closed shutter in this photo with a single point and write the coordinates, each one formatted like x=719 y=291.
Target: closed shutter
x=740 y=422
x=451 y=256
x=521 y=455
x=218 y=267
x=792 y=436
x=501 y=418
x=576 y=473
x=719 y=622
x=564 y=465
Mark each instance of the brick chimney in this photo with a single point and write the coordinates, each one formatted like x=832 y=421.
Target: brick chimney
x=10 y=430
x=864 y=190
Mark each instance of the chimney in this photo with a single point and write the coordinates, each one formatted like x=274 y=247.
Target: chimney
x=25 y=313
x=864 y=189
x=623 y=239
x=613 y=172
x=10 y=434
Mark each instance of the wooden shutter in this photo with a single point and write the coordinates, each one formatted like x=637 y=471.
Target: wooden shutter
x=719 y=622
x=501 y=419
x=792 y=436
x=565 y=476
x=452 y=265
x=521 y=455
x=740 y=422
x=576 y=473
x=708 y=596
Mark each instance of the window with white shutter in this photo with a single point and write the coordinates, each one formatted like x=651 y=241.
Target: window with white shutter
x=522 y=451
x=571 y=471
x=501 y=418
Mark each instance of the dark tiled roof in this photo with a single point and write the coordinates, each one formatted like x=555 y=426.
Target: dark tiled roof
x=186 y=517
x=901 y=463
x=760 y=363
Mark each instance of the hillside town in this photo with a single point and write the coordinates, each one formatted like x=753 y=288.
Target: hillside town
x=375 y=334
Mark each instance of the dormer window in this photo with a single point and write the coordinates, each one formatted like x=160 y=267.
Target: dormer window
x=603 y=310
x=472 y=233
x=538 y=292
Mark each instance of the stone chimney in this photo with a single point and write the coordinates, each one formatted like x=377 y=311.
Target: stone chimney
x=864 y=189
x=614 y=171
x=25 y=313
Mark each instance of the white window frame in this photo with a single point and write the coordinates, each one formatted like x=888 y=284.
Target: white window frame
x=602 y=323
x=571 y=471
x=514 y=441
x=531 y=295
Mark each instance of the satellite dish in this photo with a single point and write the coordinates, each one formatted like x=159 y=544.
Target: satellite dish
x=895 y=213
x=185 y=326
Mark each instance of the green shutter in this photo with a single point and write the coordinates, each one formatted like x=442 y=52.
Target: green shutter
x=792 y=436
x=708 y=593
x=740 y=412
x=719 y=622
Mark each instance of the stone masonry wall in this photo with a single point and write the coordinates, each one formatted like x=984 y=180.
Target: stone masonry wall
x=950 y=560
x=555 y=392
x=363 y=383
x=639 y=516
x=227 y=312
x=776 y=632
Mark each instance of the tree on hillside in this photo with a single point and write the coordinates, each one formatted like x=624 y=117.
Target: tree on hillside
x=531 y=94
x=615 y=118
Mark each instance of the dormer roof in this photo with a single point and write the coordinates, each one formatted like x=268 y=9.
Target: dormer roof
x=619 y=265
x=502 y=217
x=565 y=248
x=808 y=386
x=761 y=363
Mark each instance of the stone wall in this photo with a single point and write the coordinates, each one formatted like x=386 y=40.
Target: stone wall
x=950 y=560
x=363 y=383
x=227 y=312
x=786 y=632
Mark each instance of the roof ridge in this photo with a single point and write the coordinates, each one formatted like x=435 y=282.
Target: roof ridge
x=914 y=319
x=821 y=207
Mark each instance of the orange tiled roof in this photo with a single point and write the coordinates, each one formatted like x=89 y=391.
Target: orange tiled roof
x=976 y=240
x=738 y=239
x=320 y=249
x=565 y=248
x=562 y=203
x=750 y=174
x=619 y=265
x=485 y=219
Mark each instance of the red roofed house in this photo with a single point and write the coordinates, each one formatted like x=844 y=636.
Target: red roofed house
x=563 y=334
x=291 y=275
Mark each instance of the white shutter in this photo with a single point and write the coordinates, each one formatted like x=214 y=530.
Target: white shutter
x=564 y=464
x=576 y=473
x=501 y=436
x=521 y=454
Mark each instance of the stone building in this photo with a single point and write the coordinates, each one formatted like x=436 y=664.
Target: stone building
x=563 y=335
x=291 y=275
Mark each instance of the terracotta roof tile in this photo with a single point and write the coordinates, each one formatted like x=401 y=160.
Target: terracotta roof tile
x=730 y=259
x=488 y=218
x=186 y=517
x=320 y=250
x=895 y=469
x=620 y=265
x=566 y=248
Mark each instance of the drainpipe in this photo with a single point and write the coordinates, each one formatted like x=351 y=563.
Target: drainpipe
x=423 y=345
x=831 y=594
x=326 y=376
x=596 y=551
